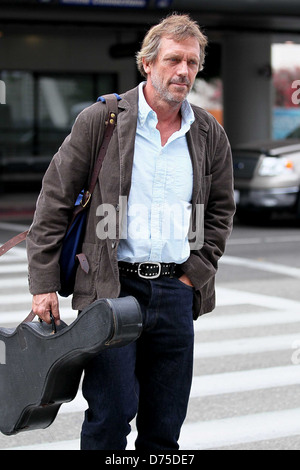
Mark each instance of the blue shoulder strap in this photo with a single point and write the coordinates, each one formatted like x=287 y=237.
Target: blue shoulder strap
x=102 y=98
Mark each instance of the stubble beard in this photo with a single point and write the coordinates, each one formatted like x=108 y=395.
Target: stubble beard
x=164 y=92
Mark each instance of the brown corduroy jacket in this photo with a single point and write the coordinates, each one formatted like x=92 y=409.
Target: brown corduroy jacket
x=71 y=168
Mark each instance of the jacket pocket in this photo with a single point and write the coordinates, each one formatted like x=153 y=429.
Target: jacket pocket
x=85 y=282
x=204 y=299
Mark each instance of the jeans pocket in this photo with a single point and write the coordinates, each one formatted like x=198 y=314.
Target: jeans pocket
x=183 y=284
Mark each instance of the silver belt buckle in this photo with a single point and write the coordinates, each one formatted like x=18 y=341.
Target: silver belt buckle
x=143 y=276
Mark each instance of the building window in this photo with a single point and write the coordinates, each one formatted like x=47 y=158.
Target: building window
x=39 y=112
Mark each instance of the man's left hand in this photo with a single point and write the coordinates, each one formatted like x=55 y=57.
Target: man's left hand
x=185 y=280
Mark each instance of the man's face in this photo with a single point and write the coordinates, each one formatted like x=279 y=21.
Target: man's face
x=173 y=73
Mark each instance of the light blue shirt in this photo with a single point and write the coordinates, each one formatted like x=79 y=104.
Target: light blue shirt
x=155 y=227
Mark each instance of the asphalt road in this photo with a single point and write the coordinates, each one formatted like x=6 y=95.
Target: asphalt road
x=246 y=388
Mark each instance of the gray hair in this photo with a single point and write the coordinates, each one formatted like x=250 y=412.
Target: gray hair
x=176 y=27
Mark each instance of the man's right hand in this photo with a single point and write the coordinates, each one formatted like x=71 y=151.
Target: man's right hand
x=44 y=304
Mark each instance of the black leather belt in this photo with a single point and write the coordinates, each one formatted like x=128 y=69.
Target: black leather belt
x=147 y=270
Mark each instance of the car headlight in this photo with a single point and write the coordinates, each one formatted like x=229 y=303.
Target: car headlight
x=272 y=166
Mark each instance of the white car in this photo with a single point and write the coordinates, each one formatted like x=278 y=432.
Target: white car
x=267 y=178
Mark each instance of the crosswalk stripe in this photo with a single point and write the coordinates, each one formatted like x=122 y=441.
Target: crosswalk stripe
x=202 y=349
x=19 y=298
x=247 y=320
x=213 y=434
x=15 y=317
x=285 y=311
x=15 y=253
x=261 y=266
x=216 y=433
x=217 y=323
x=240 y=429
x=231 y=297
x=58 y=445
x=13 y=282
x=225 y=296
x=13 y=268
x=246 y=345
x=218 y=384
x=242 y=381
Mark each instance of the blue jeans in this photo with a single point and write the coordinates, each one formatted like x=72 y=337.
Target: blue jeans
x=150 y=378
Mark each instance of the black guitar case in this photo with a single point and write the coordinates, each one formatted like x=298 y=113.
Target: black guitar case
x=40 y=369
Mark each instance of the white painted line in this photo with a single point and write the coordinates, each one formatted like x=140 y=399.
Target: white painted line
x=213 y=434
x=78 y=405
x=258 y=241
x=244 y=241
x=217 y=322
x=16 y=253
x=19 y=252
x=241 y=429
x=232 y=297
x=243 y=381
x=261 y=266
x=13 y=268
x=15 y=317
x=14 y=282
x=219 y=384
x=19 y=298
x=286 y=239
x=58 y=445
x=246 y=346
x=9 y=299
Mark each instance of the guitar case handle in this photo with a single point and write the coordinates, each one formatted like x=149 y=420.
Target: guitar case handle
x=31 y=316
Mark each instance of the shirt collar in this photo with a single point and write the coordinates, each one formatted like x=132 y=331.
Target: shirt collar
x=144 y=110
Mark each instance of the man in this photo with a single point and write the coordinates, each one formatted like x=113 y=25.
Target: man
x=163 y=154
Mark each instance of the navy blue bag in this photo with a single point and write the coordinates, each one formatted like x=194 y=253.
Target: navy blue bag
x=72 y=244
x=70 y=250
